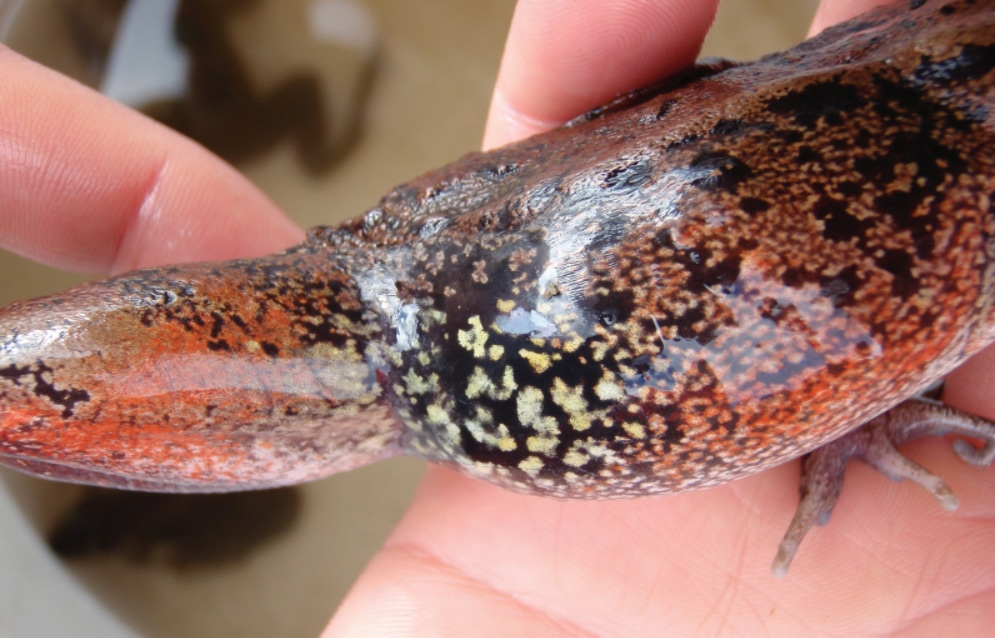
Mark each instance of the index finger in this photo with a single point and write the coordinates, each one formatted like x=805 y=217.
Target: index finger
x=830 y=12
x=564 y=57
x=87 y=184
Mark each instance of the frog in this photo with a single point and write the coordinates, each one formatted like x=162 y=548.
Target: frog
x=735 y=267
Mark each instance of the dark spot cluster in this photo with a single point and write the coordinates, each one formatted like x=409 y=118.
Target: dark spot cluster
x=698 y=405
x=664 y=108
x=718 y=170
x=246 y=305
x=753 y=205
x=581 y=370
x=654 y=91
x=317 y=305
x=972 y=63
x=498 y=172
x=42 y=385
x=628 y=177
x=676 y=284
x=829 y=100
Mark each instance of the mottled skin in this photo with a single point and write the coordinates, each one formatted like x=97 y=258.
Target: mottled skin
x=703 y=279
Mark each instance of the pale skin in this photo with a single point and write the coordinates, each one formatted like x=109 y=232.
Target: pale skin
x=98 y=188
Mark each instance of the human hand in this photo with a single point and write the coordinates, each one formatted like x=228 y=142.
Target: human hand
x=91 y=186
x=471 y=559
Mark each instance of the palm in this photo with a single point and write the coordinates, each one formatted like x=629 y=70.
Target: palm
x=695 y=564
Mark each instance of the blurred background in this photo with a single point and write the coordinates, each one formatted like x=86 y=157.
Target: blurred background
x=325 y=105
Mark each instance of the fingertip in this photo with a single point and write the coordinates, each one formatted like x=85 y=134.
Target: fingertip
x=197 y=207
x=831 y=12
x=87 y=184
x=969 y=386
x=564 y=57
x=506 y=124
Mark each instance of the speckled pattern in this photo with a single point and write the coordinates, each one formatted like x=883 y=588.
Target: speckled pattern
x=703 y=279
x=724 y=268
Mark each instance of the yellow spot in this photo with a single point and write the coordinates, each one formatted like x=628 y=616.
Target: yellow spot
x=495 y=352
x=478 y=275
x=576 y=458
x=540 y=362
x=437 y=415
x=417 y=384
x=542 y=444
x=508 y=385
x=571 y=345
x=608 y=389
x=635 y=430
x=474 y=338
x=599 y=350
x=478 y=383
x=529 y=405
x=253 y=346
x=476 y=431
x=597 y=449
x=452 y=434
x=627 y=371
x=505 y=305
x=531 y=466
x=569 y=398
x=499 y=437
x=433 y=317
x=573 y=403
x=330 y=352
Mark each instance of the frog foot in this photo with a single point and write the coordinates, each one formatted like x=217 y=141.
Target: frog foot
x=875 y=443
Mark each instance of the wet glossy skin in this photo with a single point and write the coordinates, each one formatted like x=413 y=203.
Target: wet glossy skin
x=704 y=279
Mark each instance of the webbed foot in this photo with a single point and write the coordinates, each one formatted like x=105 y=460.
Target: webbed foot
x=875 y=443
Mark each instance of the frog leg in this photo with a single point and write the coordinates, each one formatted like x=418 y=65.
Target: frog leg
x=876 y=444
x=246 y=374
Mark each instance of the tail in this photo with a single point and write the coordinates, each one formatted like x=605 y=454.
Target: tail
x=206 y=377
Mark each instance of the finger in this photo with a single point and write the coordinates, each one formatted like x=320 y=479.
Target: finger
x=89 y=185
x=969 y=386
x=832 y=11
x=564 y=57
